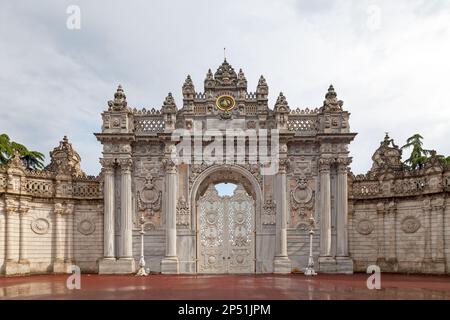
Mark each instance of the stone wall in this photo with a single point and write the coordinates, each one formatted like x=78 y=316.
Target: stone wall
x=51 y=219
x=399 y=219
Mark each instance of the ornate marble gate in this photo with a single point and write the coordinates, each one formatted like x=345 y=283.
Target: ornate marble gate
x=157 y=164
x=226 y=235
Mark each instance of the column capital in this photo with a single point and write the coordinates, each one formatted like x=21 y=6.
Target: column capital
x=381 y=208
x=283 y=165
x=23 y=209
x=107 y=163
x=343 y=163
x=11 y=206
x=58 y=208
x=324 y=164
x=126 y=164
x=169 y=166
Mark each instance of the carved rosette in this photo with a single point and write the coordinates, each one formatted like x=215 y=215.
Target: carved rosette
x=40 y=226
x=410 y=224
x=86 y=224
x=365 y=226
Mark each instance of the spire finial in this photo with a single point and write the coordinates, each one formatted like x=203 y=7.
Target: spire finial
x=224 y=54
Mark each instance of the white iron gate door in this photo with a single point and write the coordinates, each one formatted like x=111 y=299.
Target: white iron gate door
x=226 y=238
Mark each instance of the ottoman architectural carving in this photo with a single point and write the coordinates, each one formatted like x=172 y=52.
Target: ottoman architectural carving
x=290 y=166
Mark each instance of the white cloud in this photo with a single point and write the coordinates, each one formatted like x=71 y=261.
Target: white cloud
x=55 y=81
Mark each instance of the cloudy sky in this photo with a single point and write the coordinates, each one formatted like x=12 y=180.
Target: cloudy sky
x=388 y=60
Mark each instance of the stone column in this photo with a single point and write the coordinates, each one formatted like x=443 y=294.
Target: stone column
x=427 y=259
x=390 y=229
x=381 y=252
x=327 y=263
x=58 y=264
x=281 y=263
x=325 y=201
x=344 y=263
x=170 y=262
x=23 y=252
x=11 y=263
x=70 y=231
x=108 y=219
x=437 y=235
x=126 y=208
x=342 y=210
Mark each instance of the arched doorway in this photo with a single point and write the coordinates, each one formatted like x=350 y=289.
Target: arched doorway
x=226 y=226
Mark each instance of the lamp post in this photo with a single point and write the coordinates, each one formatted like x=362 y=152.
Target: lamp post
x=309 y=271
x=141 y=271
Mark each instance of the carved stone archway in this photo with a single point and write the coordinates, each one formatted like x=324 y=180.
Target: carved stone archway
x=228 y=174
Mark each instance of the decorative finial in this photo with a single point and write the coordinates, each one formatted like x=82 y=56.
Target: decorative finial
x=224 y=54
x=331 y=102
x=120 y=100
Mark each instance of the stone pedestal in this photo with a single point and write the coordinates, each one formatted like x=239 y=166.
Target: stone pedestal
x=327 y=264
x=170 y=265
x=61 y=266
x=282 y=265
x=117 y=266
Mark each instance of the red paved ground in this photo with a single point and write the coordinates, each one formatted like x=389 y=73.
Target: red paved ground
x=233 y=287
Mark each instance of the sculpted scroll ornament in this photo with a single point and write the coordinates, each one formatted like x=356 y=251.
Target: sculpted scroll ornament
x=149 y=198
x=269 y=209
x=410 y=224
x=183 y=213
x=301 y=197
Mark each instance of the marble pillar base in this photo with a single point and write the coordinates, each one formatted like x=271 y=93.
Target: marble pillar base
x=169 y=265
x=282 y=265
x=119 y=266
x=436 y=266
x=13 y=268
x=61 y=266
x=327 y=264
x=344 y=265
x=336 y=265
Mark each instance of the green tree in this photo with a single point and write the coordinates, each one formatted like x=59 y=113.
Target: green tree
x=444 y=160
x=419 y=155
x=32 y=160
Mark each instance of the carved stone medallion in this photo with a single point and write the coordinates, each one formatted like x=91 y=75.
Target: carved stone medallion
x=364 y=226
x=86 y=227
x=40 y=225
x=410 y=224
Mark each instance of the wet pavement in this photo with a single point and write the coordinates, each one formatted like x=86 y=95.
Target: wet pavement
x=228 y=287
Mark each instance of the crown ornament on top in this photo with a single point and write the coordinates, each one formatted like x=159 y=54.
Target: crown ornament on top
x=225 y=75
x=331 y=102
x=120 y=100
x=281 y=105
x=169 y=105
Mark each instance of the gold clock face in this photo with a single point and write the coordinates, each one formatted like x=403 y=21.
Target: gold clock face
x=225 y=102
